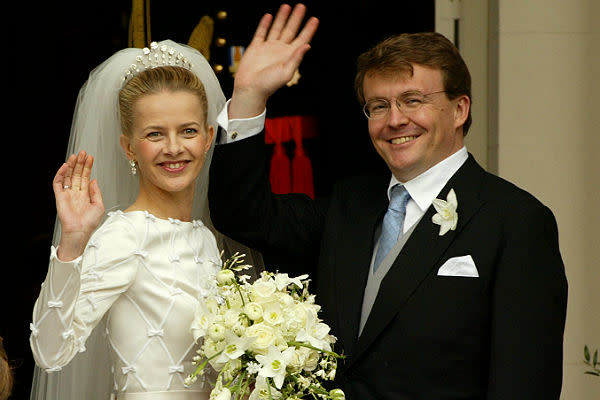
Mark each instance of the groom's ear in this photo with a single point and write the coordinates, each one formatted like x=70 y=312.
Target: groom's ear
x=125 y=142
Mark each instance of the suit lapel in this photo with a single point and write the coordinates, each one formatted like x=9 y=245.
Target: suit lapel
x=421 y=253
x=352 y=262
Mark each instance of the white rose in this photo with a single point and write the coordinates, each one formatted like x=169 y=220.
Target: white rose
x=311 y=359
x=231 y=317
x=225 y=276
x=285 y=299
x=296 y=361
x=222 y=394
x=216 y=331
x=264 y=334
x=299 y=314
x=263 y=290
x=253 y=310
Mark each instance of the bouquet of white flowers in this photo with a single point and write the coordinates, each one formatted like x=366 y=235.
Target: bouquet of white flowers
x=266 y=335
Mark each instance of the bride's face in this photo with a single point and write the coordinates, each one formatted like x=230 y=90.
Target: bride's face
x=169 y=141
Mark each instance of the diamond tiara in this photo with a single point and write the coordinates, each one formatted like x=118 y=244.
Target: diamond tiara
x=156 y=56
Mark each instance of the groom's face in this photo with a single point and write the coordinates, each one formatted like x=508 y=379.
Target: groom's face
x=414 y=139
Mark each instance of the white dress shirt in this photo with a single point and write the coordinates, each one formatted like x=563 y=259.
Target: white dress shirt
x=425 y=187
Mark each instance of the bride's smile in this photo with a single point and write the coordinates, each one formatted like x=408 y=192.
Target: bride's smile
x=169 y=141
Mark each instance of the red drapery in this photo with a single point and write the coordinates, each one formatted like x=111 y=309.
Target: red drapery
x=295 y=176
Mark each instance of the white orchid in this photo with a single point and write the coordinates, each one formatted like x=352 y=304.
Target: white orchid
x=446 y=216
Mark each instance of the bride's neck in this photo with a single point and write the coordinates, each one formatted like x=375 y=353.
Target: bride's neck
x=165 y=204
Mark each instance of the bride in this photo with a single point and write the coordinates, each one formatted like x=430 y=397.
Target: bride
x=128 y=290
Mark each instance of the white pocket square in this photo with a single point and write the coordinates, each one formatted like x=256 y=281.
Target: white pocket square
x=459 y=266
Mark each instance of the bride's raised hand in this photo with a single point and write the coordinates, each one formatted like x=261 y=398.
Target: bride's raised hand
x=271 y=59
x=79 y=204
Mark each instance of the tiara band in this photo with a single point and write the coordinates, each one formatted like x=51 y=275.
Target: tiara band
x=156 y=56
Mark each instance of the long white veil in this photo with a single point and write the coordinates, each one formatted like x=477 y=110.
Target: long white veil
x=96 y=128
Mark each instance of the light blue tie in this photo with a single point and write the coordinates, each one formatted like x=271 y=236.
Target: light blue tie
x=393 y=221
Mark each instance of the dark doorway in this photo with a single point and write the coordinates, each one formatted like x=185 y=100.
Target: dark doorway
x=58 y=43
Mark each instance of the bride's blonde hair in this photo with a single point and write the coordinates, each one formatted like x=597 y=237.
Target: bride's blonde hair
x=157 y=80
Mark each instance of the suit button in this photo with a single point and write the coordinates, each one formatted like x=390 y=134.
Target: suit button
x=234 y=135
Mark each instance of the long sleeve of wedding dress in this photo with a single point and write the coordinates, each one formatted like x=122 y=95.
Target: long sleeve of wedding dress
x=143 y=276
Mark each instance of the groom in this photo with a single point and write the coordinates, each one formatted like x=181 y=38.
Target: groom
x=440 y=280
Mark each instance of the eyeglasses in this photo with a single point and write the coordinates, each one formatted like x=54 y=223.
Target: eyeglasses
x=407 y=103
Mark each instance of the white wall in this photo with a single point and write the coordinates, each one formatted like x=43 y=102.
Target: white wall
x=535 y=66
x=549 y=144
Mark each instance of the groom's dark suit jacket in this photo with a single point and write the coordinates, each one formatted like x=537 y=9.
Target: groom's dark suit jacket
x=498 y=336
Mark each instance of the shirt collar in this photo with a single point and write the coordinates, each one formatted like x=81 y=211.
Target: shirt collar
x=425 y=187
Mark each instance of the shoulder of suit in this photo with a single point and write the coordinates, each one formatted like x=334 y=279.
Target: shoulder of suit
x=498 y=189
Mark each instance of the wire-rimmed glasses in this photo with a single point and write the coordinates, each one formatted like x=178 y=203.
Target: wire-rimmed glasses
x=407 y=103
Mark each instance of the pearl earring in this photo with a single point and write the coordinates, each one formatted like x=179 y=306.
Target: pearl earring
x=133 y=168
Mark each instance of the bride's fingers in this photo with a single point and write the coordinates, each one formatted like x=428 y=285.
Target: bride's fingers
x=87 y=171
x=78 y=171
x=293 y=23
x=96 y=194
x=59 y=179
x=279 y=22
x=69 y=165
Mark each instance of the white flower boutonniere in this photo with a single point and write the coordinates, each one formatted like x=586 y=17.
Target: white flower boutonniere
x=446 y=216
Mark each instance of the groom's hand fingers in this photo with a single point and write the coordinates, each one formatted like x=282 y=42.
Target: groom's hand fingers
x=293 y=23
x=307 y=33
x=279 y=22
x=263 y=28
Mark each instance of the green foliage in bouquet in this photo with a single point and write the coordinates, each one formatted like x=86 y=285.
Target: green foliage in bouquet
x=265 y=338
x=591 y=361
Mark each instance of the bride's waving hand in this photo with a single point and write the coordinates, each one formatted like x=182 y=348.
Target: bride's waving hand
x=79 y=204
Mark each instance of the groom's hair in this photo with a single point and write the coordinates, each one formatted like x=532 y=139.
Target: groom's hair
x=395 y=56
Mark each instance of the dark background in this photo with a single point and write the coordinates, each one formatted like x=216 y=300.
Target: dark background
x=50 y=49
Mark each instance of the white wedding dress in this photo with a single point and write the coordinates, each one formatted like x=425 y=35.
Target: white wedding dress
x=139 y=280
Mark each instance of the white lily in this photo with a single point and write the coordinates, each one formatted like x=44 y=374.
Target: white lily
x=235 y=345
x=446 y=216
x=264 y=391
x=282 y=280
x=274 y=364
x=316 y=335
